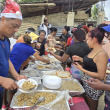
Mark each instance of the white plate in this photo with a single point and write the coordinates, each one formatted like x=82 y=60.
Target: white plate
x=20 y=83
x=50 y=56
x=52 y=82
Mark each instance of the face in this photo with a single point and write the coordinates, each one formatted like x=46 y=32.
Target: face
x=54 y=33
x=42 y=36
x=90 y=42
x=46 y=19
x=64 y=31
x=63 y=43
x=90 y=28
x=10 y=26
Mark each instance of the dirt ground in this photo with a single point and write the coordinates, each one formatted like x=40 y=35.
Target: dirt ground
x=101 y=102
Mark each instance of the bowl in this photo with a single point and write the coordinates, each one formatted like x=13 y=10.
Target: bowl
x=52 y=82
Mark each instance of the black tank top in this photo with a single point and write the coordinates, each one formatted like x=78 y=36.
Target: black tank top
x=89 y=63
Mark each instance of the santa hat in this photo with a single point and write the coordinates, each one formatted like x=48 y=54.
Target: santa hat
x=12 y=10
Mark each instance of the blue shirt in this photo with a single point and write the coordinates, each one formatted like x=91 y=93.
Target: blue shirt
x=20 y=53
x=4 y=57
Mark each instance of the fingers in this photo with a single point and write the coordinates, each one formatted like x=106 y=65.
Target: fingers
x=95 y=80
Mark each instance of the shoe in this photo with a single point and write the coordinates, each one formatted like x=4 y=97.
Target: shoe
x=5 y=107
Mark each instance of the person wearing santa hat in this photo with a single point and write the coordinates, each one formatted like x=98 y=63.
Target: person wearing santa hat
x=11 y=19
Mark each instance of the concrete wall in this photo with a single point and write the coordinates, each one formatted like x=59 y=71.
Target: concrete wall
x=58 y=19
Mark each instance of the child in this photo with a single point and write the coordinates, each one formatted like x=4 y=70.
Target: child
x=41 y=44
x=68 y=66
x=64 y=46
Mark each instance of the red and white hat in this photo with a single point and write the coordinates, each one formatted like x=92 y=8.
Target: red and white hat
x=12 y=10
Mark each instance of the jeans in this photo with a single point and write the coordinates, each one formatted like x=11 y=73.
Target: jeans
x=1 y=97
x=107 y=104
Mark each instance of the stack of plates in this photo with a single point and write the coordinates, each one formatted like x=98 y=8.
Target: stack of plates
x=52 y=82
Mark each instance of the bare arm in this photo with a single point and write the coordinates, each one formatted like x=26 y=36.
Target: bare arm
x=57 y=38
x=38 y=57
x=101 y=63
x=46 y=46
x=98 y=85
x=63 y=58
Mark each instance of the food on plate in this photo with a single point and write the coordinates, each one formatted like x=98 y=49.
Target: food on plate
x=43 y=63
x=50 y=49
x=63 y=74
x=71 y=85
x=40 y=67
x=48 y=66
x=107 y=71
x=31 y=100
x=27 y=85
x=53 y=59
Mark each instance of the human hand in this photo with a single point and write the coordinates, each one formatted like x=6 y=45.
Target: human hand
x=50 y=52
x=9 y=84
x=47 y=61
x=77 y=65
x=96 y=84
x=19 y=77
x=75 y=58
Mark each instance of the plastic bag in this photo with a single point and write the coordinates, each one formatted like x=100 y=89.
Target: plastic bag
x=76 y=73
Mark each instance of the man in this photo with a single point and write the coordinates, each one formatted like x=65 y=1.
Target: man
x=11 y=20
x=90 y=26
x=45 y=26
x=98 y=85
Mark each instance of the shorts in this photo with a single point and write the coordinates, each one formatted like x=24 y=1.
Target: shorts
x=89 y=91
x=1 y=97
x=107 y=104
x=10 y=76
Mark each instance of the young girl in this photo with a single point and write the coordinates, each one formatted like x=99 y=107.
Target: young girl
x=68 y=66
x=50 y=38
x=41 y=44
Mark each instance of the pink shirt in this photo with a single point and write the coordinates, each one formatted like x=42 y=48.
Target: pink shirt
x=67 y=69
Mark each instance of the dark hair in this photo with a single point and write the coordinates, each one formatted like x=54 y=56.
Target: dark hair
x=79 y=34
x=67 y=28
x=98 y=33
x=42 y=31
x=27 y=39
x=90 y=25
x=29 y=30
x=69 y=63
x=53 y=29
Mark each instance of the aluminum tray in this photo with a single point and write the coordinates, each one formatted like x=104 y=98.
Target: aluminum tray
x=14 y=100
x=72 y=93
x=52 y=67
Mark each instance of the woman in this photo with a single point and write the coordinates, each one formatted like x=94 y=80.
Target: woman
x=95 y=64
x=51 y=38
x=65 y=33
x=19 y=53
x=41 y=44
x=79 y=48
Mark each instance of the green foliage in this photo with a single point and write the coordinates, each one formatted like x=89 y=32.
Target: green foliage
x=94 y=12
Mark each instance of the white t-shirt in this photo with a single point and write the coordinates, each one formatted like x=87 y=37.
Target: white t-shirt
x=12 y=42
x=43 y=27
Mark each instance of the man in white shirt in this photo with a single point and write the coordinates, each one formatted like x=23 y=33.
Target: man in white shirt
x=45 y=26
